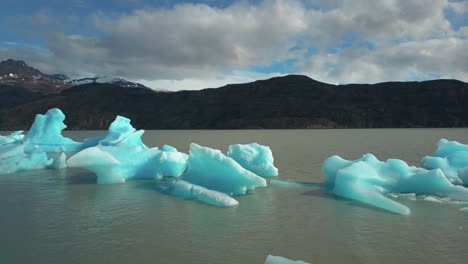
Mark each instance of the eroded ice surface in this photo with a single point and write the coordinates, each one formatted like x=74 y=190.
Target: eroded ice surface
x=368 y=179
x=14 y=137
x=280 y=260
x=181 y=188
x=121 y=155
x=13 y=158
x=46 y=132
x=452 y=158
x=213 y=170
x=255 y=158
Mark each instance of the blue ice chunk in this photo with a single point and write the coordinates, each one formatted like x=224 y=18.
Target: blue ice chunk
x=59 y=160
x=181 y=188
x=14 y=137
x=168 y=148
x=118 y=130
x=11 y=150
x=124 y=156
x=255 y=158
x=46 y=132
x=13 y=158
x=170 y=163
x=100 y=162
x=452 y=158
x=280 y=260
x=368 y=180
x=213 y=170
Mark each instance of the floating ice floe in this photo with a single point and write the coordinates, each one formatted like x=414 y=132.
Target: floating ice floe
x=213 y=170
x=255 y=158
x=368 y=179
x=280 y=260
x=207 y=175
x=452 y=158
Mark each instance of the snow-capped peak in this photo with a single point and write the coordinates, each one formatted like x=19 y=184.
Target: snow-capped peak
x=105 y=79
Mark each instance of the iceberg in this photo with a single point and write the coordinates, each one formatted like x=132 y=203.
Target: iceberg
x=280 y=260
x=213 y=170
x=181 y=188
x=368 y=180
x=121 y=155
x=452 y=158
x=46 y=132
x=255 y=158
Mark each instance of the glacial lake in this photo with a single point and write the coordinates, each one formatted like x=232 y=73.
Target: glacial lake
x=63 y=216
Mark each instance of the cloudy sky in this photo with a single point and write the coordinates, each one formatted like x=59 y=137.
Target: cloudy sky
x=194 y=44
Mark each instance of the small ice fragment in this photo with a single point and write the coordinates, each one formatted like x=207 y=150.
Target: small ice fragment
x=181 y=188
x=280 y=260
x=464 y=209
x=432 y=199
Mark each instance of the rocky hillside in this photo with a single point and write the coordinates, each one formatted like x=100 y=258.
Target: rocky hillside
x=292 y=101
x=19 y=74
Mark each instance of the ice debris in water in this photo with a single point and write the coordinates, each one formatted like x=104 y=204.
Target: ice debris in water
x=280 y=260
x=368 y=179
x=181 y=188
x=255 y=158
x=213 y=170
x=452 y=158
x=121 y=155
x=291 y=184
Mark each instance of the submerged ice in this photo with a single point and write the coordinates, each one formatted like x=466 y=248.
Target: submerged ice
x=281 y=260
x=181 y=188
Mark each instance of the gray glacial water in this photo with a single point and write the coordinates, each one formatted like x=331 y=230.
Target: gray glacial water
x=63 y=216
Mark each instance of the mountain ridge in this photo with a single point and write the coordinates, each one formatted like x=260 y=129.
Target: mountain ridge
x=294 y=101
x=18 y=73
